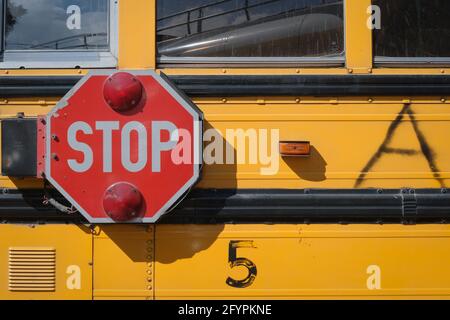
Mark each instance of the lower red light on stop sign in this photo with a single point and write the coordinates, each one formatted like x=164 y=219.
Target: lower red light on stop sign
x=101 y=158
x=123 y=202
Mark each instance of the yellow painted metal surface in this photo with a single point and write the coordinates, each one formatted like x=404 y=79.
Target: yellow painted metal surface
x=345 y=136
x=358 y=37
x=72 y=246
x=137 y=35
x=215 y=261
x=123 y=262
x=299 y=261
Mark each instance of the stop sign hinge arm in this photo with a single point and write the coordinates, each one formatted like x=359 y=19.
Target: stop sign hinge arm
x=49 y=199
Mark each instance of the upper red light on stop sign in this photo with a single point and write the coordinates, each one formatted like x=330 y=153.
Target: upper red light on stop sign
x=123 y=91
x=120 y=155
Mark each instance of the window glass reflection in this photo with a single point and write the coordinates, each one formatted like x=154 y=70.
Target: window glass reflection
x=419 y=28
x=250 y=28
x=57 y=25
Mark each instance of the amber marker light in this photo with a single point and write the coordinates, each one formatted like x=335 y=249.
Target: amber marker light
x=295 y=148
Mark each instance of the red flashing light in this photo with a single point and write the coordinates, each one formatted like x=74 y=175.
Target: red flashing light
x=123 y=202
x=123 y=91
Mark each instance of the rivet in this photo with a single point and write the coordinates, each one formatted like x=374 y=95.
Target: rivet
x=442 y=71
x=350 y=70
x=55 y=156
x=79 y=71
x=297 y=100
x=149 y=287
x=6 y=71
x=224 y=100
x=370 y=100
x=443 y=100
x=369 y=70
x=297 y=71
x=224 y=70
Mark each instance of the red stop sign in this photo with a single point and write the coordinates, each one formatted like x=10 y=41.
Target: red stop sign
x=123 y=146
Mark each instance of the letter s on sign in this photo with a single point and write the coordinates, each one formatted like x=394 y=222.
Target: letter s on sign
x=80 y=146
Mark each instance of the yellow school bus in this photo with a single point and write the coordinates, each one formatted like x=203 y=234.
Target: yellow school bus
x=347 y=98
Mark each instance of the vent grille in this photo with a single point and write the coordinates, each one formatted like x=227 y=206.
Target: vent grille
x=32 y=269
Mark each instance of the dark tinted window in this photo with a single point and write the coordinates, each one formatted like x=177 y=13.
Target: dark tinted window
x=250 y=28
x=413 y=28
x=56 y=24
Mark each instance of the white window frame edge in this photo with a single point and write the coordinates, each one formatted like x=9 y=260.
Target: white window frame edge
x=412 y=61
x=69 y=59
x=253 y=61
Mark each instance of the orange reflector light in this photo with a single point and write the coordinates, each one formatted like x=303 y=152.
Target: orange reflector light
x=302 y=148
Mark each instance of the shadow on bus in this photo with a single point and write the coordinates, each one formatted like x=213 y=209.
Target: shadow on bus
x=193 y=226
x=312 y=168
x=177 y=242
x=199 y=220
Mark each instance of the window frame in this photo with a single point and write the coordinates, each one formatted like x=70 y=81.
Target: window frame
x=196 y=62
x=62 y=59
x=431 y=62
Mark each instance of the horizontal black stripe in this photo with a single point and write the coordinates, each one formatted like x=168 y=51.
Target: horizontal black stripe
x=266 y=206
x=40 y=86
x=312 y=85
x=244 y=85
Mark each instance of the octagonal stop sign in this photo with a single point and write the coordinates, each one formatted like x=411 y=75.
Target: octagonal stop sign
x=123 y=146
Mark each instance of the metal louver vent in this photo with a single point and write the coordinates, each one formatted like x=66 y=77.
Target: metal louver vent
x=32 y=269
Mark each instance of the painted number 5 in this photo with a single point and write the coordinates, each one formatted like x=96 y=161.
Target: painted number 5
x=234 y=261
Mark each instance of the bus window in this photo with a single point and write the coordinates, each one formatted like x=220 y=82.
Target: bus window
x=250 y=30
x=52 y=30
x=413 y=31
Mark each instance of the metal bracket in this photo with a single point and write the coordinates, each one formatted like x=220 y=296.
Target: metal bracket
x=409 y=204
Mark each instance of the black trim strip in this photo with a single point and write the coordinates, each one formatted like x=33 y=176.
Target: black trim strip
x=206 y=206
x=277 y=85
x=313 y=85
x=39 y=86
